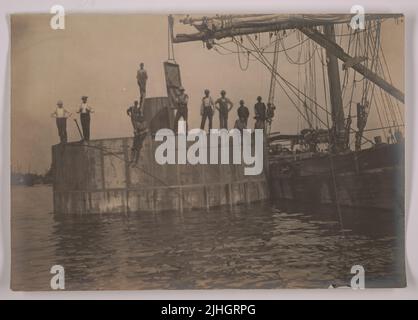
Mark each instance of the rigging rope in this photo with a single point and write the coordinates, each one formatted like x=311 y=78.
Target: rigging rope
x=265 y=52
x=113 y=154
x=308 y=59
x=239 y=60
x=361 y=45
x=291 y=86
x=266 y=63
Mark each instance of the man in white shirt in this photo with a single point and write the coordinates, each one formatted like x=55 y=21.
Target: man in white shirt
x=61 y=116
x=206 y=110
x=182 y=110
x=84 y=112
x=225 y=105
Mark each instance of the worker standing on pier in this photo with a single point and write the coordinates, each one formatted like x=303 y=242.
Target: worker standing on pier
x=206 y=110
x=243 y=113
x=260 y=110
x=182 y=111
x=61 y=116
x=270 y=112
x=225 y=105
x=142 y=77
x=84 y=112
x=140 y=133
x=134 y=112
x=240 y=124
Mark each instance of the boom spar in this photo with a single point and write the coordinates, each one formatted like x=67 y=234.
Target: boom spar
x=219 y=27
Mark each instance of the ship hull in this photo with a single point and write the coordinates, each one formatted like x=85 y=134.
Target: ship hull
x=371 y=178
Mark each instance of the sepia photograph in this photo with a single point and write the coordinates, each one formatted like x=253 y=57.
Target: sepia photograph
x=207 y=151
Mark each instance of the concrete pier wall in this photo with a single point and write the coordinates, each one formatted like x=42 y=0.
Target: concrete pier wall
x=96 y=177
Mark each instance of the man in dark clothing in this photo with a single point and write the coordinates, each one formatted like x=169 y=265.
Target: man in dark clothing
x=361 y=124
x=182 y=111
x=243 y=112
x=240 y=124
x=62 y=129
x=142 y=77
x=206 y=110
x=270 y=111
x=140 y=133
x=260 y=110
x=225 y=105
x=84 y=112
x=134 y=112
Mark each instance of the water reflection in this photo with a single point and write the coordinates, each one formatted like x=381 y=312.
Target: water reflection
x=251 y=247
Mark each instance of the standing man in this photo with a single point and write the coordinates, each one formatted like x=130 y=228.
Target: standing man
x=142 y=77
x=182 y=101
x=243 y=113
x=225 y=105
x=270 y=112
x=134 y=112
x=206 y=110
x=240 y=124
x=61 y=116
x=140 y=133
x=260 y=110
x=84 y=112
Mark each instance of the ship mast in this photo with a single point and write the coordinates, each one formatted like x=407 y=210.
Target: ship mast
x=219 y=27
x=274 y=67
x=337 y=111
x=270 y=101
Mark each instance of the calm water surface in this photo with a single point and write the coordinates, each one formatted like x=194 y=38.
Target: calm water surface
x=252 y=247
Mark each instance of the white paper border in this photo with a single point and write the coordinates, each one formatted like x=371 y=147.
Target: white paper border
x=407 y=7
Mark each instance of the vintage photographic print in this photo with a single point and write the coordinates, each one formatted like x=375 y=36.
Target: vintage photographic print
x=207 y=151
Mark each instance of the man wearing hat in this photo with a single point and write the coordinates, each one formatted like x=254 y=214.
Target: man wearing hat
x=134 y=112
x=142 y=77
x=206 y=110
x=182 y=111
x=243 y=113
x=140 y=133
x=61 y=115
x=84 y=112
x=225 y=105
x=260 y=110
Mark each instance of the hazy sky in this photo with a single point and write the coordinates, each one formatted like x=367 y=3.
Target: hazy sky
x=98 y=55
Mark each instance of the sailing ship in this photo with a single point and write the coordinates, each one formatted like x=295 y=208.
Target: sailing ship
x=333 y=160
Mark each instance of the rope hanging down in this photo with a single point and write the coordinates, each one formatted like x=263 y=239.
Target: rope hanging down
x=360 y=43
